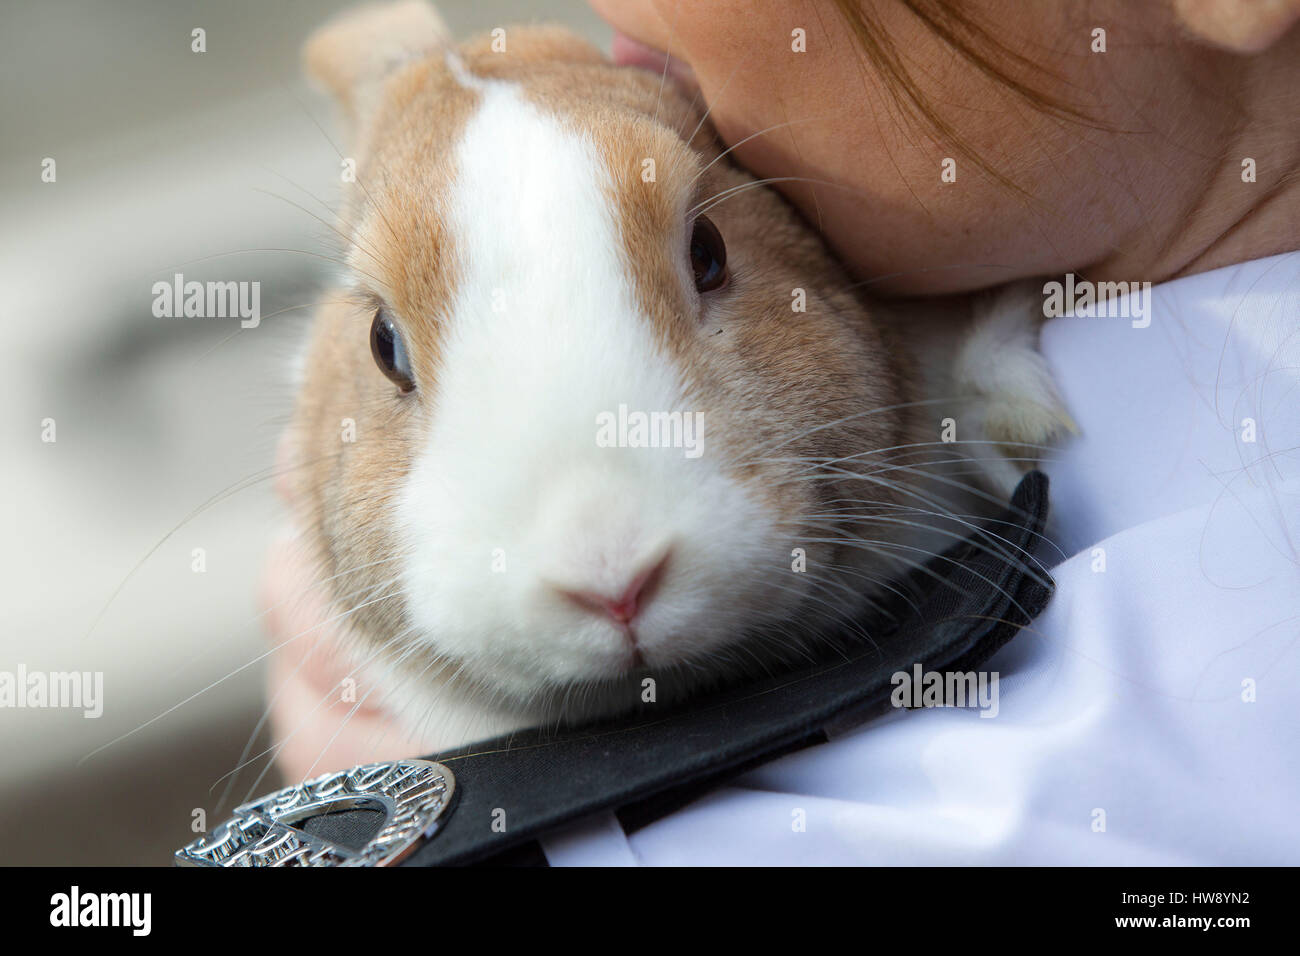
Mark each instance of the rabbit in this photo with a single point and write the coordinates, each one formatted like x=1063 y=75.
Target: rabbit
x=594 y=418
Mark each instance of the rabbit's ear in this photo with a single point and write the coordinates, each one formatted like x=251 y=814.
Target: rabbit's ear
x=352 y=54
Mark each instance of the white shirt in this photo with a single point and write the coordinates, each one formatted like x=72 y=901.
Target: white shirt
x=1151 y=715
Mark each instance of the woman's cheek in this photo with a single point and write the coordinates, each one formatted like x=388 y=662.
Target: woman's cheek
x=881 y=199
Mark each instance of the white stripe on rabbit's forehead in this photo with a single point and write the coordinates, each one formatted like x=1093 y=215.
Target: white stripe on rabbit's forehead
x=543 y=330
x=530 y=205
x=543 y=274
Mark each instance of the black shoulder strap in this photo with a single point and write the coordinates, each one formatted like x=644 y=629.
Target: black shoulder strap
x=967 y=603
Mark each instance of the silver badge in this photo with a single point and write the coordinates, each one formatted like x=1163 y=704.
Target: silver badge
x=413 y=795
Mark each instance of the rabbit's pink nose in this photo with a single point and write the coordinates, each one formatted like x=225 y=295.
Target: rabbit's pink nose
x=627 y=604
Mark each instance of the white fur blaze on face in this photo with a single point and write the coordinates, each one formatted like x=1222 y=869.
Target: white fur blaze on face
x=523 y=533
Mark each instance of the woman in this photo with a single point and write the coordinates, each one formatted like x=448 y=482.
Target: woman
x=1149 y=714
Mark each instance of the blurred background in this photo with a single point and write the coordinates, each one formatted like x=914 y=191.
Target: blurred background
x=166 y=161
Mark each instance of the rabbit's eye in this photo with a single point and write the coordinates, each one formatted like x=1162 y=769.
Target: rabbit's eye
x=708 y=256
x=390 y=352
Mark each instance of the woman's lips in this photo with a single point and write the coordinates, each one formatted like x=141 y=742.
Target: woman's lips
x=628 y=52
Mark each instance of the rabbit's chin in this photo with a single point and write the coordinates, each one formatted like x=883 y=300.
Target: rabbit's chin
x=447 y=706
